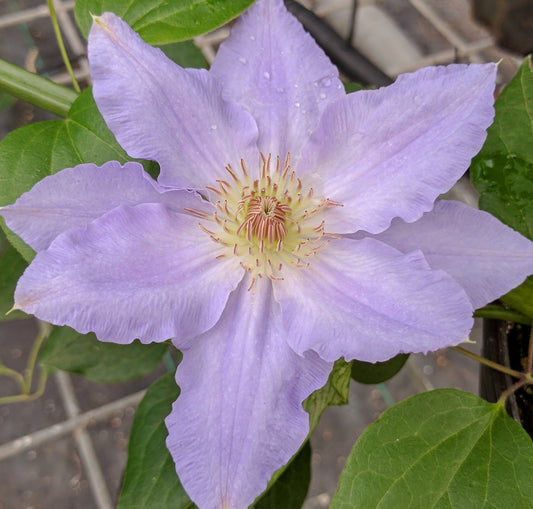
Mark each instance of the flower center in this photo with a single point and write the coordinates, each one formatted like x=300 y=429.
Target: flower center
x=269 y=222
x=265 y=219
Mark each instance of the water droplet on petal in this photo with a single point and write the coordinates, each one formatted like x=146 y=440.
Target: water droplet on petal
x=242 y=60
x=326 y=82
x=266 y=75
x=297 y=104
x=322 y=95
x=280 y=90
x=252 y=37
x=213 y=126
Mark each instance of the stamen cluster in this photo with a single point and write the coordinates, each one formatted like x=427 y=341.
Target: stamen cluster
x=268 y=222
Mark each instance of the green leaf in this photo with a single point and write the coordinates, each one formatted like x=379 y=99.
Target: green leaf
x=505 y=184
x=512 y=128
x=351 y=86
x=4 y=243
x=445 y=449
x=521 y=298
x=12 y=265
x=160 y=21
x=33 y=152
x=150 y=478
x=503 y=170
x=68 y=350
x=335 y=392
x=498 y=311
x=376 y=373
x=185 y=54
x=290 y=490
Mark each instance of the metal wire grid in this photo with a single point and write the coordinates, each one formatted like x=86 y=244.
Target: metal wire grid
x=77 y=422
x=459 y=47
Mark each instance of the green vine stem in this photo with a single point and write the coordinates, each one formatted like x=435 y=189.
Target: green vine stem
x=25 y=381
x=4 y=370
x=44 y=332
x=61 y=45
x=35 y=89
x=30 y=396
x=523 y=378
x=512 y=389
x=489 y=363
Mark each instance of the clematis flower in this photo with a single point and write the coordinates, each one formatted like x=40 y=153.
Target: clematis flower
x=290 y=225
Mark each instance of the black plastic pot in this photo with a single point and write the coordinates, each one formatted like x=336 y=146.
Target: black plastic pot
x=507 y=343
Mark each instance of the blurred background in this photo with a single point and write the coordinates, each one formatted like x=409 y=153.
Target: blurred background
x=68 y=448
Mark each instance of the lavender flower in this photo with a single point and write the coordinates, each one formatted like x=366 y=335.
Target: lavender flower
x=290 y=225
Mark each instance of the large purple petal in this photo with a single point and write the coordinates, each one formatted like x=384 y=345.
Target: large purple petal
x=276 y=70
x=362 y=299
x=76 y=196
x=486 y=257
x=157 y=110
x=251 y=386
x=142 y=272
x=390 y=152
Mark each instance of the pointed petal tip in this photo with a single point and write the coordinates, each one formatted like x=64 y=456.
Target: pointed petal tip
x=468 y=341
x=485 y=256
x=272 y=66
x=13 y=308
x=422 y=132
x=100 y=21
x=133 y=80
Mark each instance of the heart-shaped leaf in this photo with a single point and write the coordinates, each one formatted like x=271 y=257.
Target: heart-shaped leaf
x=160 y=21
x=444 y=448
